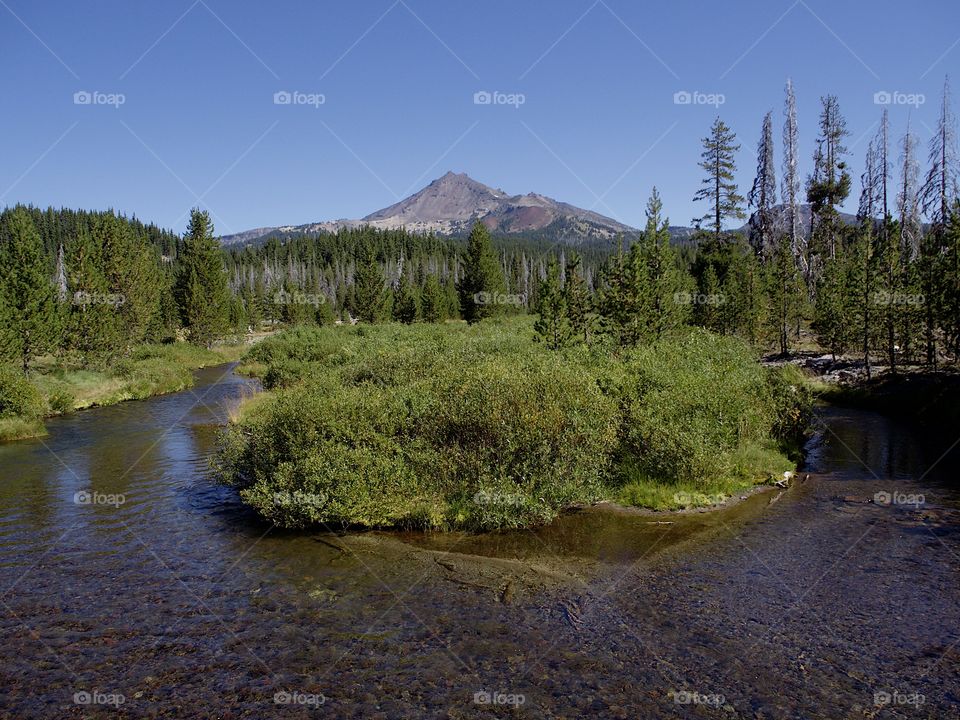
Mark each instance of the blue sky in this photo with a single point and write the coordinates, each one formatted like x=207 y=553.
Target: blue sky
x=598 y=125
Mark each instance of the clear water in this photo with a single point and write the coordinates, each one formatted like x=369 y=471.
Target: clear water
x=178 y=602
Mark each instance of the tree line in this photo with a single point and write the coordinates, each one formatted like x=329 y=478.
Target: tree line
x=94 y=285
x=886 y=285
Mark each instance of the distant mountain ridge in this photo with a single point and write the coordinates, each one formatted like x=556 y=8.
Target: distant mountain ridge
x=452 y=203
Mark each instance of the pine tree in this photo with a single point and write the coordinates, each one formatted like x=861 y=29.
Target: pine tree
x=406 y=306
x=829 y=185
x=295 y=305
x=661 y=282
x=833 y=315
x=744 y=306
x=786 y=290
x=552 y=325
x=889 y=283
x=434 y=304
x=451 y=299
x=617 y=301
x=201 y=291
x=252 y=307
x=27 y=289
x=324 y=314
x=719 y=186
x=861 y=285
x=482 y=278
x=369 y=292
x=950 y=283
x=577 y=300
x=876 y=175
x=91 y=323
x=708 y=309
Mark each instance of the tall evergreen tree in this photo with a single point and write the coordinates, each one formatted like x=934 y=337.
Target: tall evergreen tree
x=482 y=277
x=552 y=324
x=406 y=306
x=434 y=304
x=576 y=297
x=829 y=185
x=27 y=289
x=92 y=326
x=786 y=291
x=369 y=289
x=719 y=187
x=663 y=282
x=950 y=285
x=201 y=291
x=134 y=279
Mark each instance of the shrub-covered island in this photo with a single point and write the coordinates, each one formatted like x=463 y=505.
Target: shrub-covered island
x=478 y=427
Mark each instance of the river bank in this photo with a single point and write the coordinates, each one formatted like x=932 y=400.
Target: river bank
x=55 y=387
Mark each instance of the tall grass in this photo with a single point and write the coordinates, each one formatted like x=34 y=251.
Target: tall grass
x=56 y=386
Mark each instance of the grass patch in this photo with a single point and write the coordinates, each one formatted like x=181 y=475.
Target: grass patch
x=55 y=386
x=21 y=428
x=478 y=427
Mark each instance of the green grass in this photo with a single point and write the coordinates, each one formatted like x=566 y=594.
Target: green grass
x=21 y=428
x=479 y=427
x=753 y=465
x=58 y=386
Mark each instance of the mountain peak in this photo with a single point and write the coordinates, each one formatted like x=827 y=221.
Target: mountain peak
x=453 y=202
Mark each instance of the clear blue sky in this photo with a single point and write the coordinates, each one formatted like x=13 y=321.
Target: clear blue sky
x=598 y=126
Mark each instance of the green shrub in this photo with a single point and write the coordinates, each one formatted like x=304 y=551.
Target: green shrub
x=423 y=428
x=478 y=427
x=61 y=401
x=18 y=396
x=688 y=404
x=285 y=373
